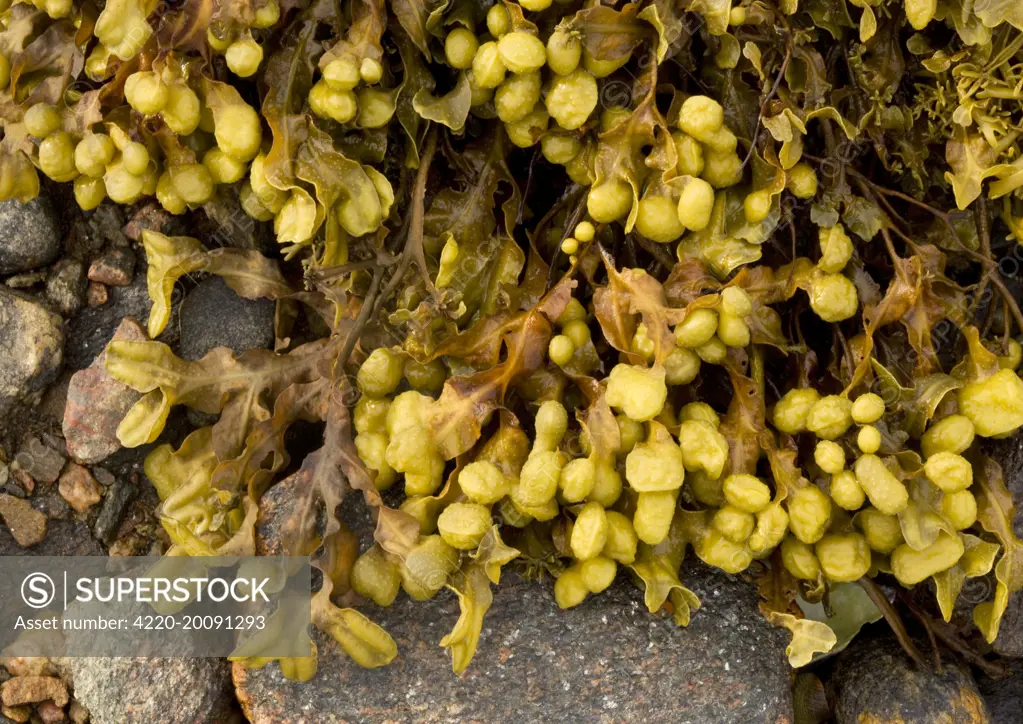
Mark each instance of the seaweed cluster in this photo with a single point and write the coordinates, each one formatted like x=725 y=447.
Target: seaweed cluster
x=573 y=287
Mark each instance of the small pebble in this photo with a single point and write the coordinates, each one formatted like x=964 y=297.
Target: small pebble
x=79 y=488
x=116 y=268
x=96 y=295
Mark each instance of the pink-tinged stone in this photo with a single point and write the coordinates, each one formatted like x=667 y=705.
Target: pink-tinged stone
x=96 y=404
x=50 y=713
x=151 y=217
x=116 y=268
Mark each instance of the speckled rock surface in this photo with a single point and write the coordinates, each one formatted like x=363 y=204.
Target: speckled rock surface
x=212 y=315
x=31 y=350
x=875 y=681
x=607 y=660
x=278 y=507
x=66 y=286
x=1004 y=697
x=143 y=691
x=29 y=237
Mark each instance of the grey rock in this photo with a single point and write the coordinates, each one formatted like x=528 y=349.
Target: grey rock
x=608 y=659
x=105 y=225
x=104 y=477
x=12 y=488
x=140 y=691
x=874 y=680
x=67 y=285
x=1004 y=697
x=38 y=460
x=1009 y=642
x=212 y=315
x=115 y=507
x=31 y=350
x=29 y=235
x=52 y=505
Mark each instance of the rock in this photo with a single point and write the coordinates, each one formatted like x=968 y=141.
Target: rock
x=214 y=316
x=31 y=351
x=1004 y=697
x=140 y=690
x=96 y=295
x=27 y=525
x=103 y=476
x=96 y=404
x=875 y=681
x=51 y=505
x=19 y=714
x=29 y=236
x=609 y=659
x=13 y=488
x=50 y=713
x=115 y=507
x=66 y=286
x=1009 y=642
x=91 y=329
x=63 y=538
x=79 y=488
x=41 y=462
x=106 y=226
x=116 y=268
x=33 y=689
x=78 y=713
x=151 y=217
